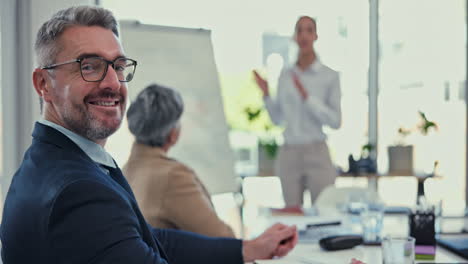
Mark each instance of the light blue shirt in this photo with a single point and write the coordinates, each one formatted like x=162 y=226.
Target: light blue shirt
x=93 y=150
x=304 y=119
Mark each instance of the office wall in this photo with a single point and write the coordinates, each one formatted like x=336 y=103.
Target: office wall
x=20 y=20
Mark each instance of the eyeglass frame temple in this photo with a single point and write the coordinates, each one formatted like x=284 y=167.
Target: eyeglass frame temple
x=49 y=67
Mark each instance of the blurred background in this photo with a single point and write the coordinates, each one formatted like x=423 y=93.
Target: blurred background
x=396 y=58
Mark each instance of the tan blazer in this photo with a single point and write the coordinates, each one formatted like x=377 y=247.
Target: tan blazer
x=170 y=195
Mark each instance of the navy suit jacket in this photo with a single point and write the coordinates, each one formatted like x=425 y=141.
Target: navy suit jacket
x=63 y=208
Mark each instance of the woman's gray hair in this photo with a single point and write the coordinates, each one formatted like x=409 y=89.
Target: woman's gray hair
x=46 y=45
x=154 y=113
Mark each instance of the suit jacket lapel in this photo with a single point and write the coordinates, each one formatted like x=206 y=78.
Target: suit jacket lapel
x=52 y=136
x=117 y=175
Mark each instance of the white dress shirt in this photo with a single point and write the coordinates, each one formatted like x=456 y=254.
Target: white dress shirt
x=97 y=153
x=304 y=119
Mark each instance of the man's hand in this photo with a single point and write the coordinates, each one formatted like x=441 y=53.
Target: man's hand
x=276 y=241
x=262 y=83
x=300 y=88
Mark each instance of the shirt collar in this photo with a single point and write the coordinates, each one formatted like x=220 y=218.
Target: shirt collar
x=93 y=150
x=314 y=67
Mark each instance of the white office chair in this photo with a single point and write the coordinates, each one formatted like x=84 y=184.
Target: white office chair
x=335 y=198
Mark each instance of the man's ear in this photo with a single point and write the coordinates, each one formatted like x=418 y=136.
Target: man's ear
x=41 y=81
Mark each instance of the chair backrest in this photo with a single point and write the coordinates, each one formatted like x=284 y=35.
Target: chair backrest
x=334 y=197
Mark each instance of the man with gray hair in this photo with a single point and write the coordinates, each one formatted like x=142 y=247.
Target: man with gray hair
x=69 y=202
x=169 y=193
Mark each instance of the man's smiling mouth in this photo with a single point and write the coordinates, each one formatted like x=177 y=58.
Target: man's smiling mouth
x=105 y=103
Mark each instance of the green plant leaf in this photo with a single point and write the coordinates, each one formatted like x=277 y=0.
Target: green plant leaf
x=253 y=114
x=270 y=148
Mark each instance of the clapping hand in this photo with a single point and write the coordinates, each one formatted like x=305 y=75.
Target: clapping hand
x=262 y=83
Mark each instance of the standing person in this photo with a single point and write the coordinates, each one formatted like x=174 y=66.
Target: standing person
x=308 y=98
x=169 y=193
x=69 y=202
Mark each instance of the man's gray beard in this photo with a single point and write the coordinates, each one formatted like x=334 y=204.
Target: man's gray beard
x=94 y=132
x=89 y=127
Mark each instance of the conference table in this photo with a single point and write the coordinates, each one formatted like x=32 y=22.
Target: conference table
x=311 y=253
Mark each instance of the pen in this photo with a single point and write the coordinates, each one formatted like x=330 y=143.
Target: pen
x=286 y=240
x=324 y=224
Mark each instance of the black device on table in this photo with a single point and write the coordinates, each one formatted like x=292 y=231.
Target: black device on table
x=340 y=242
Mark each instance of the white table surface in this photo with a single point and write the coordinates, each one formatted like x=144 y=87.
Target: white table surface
x=311 y=253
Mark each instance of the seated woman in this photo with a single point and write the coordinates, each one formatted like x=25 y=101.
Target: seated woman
x=169 y=193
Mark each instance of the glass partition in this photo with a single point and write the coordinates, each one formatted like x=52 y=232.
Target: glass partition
x=422 y=71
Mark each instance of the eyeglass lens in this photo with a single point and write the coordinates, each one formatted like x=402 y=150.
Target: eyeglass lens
x=94 y=69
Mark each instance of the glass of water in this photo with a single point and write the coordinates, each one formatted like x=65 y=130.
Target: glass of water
x=398 y=250
x=372 y=222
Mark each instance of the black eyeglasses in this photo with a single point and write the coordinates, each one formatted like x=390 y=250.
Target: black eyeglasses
x=94 y=69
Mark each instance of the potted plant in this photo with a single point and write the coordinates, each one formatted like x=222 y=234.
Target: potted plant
x=401 y=155
x=366 y=164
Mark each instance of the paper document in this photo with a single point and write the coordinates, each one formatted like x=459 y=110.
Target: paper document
x=313 y=254
x=288 y=260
